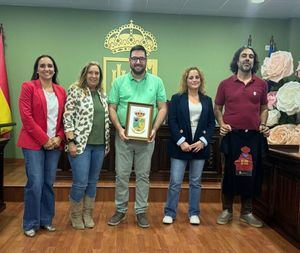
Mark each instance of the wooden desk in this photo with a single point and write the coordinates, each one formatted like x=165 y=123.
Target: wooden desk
x=3 y=142
x=279 y=203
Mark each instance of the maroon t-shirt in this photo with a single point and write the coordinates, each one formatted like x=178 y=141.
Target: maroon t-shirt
x=242 y=102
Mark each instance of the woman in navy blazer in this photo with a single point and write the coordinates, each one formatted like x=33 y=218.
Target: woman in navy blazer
x=191 y=122
x=41 y=106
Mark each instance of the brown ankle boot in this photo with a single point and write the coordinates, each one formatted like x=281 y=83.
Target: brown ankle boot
x=88 y=208
x=76 y=214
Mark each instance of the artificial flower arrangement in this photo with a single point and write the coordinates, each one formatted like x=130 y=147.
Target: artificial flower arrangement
x=283 y=98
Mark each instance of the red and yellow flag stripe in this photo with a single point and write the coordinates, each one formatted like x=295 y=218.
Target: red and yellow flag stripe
x=5 y=112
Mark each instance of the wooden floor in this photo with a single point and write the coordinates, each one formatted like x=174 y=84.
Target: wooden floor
x=14 y=172
x=128 y=237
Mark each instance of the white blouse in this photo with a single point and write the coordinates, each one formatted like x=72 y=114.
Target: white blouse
x=52 y=113
x=195 y=113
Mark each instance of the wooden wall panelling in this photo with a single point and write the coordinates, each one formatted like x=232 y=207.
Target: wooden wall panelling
x=287 y=202
x=263 y=203
x=279 y=203
x=160 y=166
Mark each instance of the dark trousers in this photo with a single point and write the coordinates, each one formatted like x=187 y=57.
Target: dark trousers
x=246 y=202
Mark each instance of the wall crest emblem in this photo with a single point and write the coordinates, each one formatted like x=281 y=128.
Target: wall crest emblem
x=122 y=39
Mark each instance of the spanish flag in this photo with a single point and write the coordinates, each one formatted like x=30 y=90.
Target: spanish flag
x=5 y=113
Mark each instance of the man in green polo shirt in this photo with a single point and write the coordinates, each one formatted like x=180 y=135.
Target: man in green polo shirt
x=141 y=87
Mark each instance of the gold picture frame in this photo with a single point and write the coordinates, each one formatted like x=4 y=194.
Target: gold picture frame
x=139 y=121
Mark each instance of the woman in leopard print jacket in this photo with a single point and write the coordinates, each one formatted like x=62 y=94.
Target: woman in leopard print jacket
x=86 y=125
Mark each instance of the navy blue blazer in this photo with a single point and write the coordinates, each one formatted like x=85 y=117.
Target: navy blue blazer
x=180 y=126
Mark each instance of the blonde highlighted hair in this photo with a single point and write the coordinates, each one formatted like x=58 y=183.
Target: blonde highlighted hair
x=183 y=82
x=82 y=82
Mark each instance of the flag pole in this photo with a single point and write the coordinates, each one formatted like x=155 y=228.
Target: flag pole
x=249 y=42
x=2 y=32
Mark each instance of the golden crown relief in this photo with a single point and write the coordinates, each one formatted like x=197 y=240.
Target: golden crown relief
x=122 y=39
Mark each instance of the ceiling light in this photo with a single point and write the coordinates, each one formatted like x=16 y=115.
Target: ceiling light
x=257 y=1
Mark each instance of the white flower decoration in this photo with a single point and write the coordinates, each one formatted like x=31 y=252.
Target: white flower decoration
x=298 y=70
x=288 y=98
x=281 y=134
x=285 y=134
x=277 y=66
x=273 y=117
x=295 y=140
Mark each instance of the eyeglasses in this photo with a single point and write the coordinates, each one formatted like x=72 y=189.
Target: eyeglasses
x=136 y=59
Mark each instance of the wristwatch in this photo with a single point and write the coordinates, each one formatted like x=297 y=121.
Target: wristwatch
x=69 y=140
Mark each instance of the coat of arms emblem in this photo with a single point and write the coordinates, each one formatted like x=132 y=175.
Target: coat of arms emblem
x=138 y=124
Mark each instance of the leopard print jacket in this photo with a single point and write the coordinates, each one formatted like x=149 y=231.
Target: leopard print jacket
x=78 y=116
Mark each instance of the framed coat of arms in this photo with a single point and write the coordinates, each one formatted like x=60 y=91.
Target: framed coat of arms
x=139 y=121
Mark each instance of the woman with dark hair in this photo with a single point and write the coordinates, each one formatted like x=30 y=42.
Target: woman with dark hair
x=191 y=121
x=41 y=106
x=86 y=125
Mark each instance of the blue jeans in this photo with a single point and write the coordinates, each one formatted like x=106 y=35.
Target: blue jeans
x=85 y=171
x=176 y=178
x=39 y=203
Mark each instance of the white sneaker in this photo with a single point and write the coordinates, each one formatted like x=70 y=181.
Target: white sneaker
x=194 y=219
x=167 y=220
x=30 y=232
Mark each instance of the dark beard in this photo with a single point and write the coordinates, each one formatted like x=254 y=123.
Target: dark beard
x=246 y=70
x=241 y=68
x=138 y=72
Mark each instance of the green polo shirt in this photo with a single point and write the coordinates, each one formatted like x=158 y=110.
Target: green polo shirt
x=149 y=90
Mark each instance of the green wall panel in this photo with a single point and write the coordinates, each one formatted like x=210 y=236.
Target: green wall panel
x=74 y=37
x=294 y=39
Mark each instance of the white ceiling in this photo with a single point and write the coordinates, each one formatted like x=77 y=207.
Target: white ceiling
x=283 y=9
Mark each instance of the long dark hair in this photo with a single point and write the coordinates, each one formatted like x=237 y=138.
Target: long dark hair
x=233 y=65
x=35 y=75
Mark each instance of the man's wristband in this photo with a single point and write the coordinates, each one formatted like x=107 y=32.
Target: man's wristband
x=262 y=124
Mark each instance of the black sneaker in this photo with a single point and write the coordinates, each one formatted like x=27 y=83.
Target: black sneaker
x=116 y=218
x=142 y=220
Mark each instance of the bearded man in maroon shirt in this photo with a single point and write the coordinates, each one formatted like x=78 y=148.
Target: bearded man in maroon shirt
x=243 y=127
